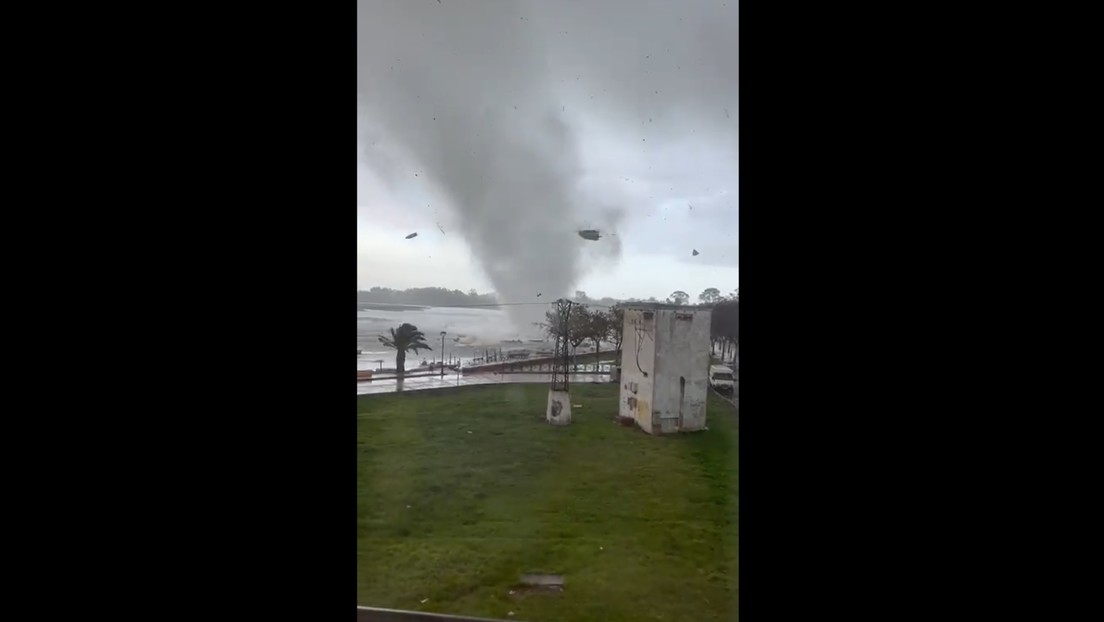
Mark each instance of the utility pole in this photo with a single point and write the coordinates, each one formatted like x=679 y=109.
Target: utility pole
x=558 y=411
x=560 y=350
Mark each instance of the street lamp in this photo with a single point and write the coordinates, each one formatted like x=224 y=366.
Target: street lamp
x=442 y=354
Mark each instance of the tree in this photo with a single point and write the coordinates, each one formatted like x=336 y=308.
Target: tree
x=734 y=325
x=710 y=295
x=716 y=330
x=616 y=325
x=407 y=337
x=578 y=327
x=678 y=297
x=551 y=324
x=724 y=327
x=597 y=330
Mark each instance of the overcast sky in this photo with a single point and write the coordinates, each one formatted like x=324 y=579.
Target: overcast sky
x=511 y=124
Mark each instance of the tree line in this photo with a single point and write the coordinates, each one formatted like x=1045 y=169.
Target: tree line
x=428 y=296
x=711 y=295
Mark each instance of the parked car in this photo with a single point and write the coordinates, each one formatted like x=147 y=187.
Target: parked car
x=721 y=378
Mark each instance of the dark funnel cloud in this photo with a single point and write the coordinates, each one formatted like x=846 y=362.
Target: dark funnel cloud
x=480 y=101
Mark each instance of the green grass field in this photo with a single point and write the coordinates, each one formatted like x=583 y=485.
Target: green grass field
x=459 y=491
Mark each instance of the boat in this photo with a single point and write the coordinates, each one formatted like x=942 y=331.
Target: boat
x=511 y=341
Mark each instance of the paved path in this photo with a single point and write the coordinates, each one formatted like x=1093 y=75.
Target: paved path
x=450 y=380
x=734 y=398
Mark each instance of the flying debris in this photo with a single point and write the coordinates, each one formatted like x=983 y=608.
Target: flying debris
x=695 y=254
x=691 y=206
x=589 y=234
x=441 y=228
x=538 y=294
x=412 y=235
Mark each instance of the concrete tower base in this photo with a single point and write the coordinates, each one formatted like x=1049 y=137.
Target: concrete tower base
x=558 y=411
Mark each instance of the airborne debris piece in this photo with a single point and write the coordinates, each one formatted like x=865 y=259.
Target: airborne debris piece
x=690 y=206
x=589 y=234
x=538 y=294
x=412 y=235
x=695 y=254
x=441 y=228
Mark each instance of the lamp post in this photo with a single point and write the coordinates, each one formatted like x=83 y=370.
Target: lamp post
x=442 y=354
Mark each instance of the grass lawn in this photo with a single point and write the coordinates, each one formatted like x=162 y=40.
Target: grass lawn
x=460 y=491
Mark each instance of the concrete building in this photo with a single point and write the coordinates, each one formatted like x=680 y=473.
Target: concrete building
x=665 y=367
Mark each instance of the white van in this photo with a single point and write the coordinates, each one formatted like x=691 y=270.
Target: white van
x=721 y=379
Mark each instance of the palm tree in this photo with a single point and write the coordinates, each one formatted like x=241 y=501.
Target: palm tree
x=408 y=337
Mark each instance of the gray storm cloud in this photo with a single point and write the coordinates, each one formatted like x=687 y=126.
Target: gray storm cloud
x=471 y=99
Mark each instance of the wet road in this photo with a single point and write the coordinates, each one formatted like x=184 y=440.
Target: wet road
x=450 y=380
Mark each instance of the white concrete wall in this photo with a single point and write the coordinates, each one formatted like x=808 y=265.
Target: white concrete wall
x=637 y=357
x=682 y=352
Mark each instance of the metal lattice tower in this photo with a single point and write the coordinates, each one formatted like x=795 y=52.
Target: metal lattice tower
x=561 y=356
